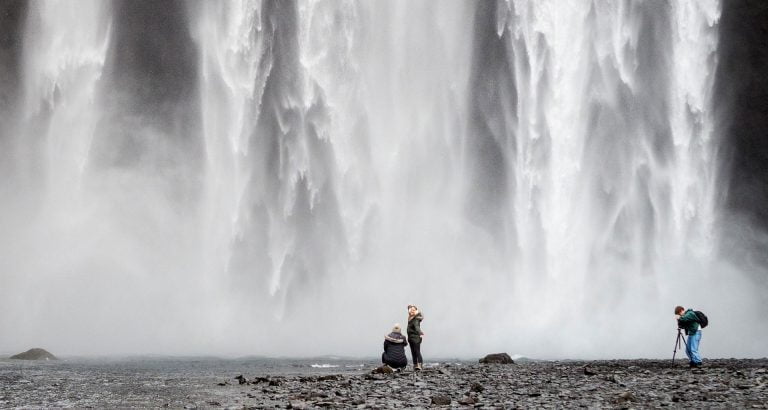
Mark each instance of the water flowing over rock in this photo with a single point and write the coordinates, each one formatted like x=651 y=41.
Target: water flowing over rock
x=253 y=175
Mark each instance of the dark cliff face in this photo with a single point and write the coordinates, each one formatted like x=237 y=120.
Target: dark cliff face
x=12 y=16
x=741 y=99
x=149 y=92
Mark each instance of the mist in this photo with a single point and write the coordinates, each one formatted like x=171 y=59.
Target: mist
x=281 y=178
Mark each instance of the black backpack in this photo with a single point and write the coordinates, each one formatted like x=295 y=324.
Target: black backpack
x=703 y=321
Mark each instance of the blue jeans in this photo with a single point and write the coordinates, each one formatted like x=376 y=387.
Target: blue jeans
x=692 y=348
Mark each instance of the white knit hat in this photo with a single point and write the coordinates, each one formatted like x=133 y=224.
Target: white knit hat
x=396 y=328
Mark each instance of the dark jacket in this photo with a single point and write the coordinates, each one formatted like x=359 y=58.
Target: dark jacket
x=394 y=350
x=689 y=321
x=414 y=328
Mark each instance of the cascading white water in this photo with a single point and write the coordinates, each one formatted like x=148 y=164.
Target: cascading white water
x=520 y=169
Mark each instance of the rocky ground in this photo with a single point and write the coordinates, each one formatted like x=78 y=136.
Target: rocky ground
x=727 y=383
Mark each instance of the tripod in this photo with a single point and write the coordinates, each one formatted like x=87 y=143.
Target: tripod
x=680 y=337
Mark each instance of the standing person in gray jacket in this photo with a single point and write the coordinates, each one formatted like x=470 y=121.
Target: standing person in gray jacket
x=414 y=336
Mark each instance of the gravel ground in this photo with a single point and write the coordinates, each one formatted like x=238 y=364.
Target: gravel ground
x=725 y=383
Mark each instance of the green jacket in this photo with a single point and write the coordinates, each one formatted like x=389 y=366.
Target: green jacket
x=414 y=328
x=689 y=321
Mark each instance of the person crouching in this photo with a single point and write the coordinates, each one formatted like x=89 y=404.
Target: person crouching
x=394 y=349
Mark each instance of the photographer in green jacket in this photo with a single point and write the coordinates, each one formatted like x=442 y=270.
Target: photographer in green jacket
x=689 y=321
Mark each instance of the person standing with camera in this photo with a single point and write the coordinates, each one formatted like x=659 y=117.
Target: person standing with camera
x=414 y=335
x=689 y=321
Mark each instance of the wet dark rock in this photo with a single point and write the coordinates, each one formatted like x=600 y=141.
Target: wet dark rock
x=296 y=404
x=476 y=387
x=441 y=400
x=614 y=379
x=467 y=401
x=620 y=384
x=329 y=377
x=497 y=358
x=34 y=354
x=383 y=370
x=241 y=380
x=374 y=377
x=626 y=396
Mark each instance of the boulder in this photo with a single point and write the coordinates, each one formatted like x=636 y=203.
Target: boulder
x=35 y=354
x=498 y=358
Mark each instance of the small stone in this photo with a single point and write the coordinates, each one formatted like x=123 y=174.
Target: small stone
x=297 y=404
x=476 y=387
x=241 y=379
x=626 y=396
x=613 y=378
x=588 y=371
x=374 y=377
x=329 y=377
x=467 y=401
x=441 y=400
x=383 y=370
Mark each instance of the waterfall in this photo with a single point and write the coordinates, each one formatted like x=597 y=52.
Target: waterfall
x=266 y=177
